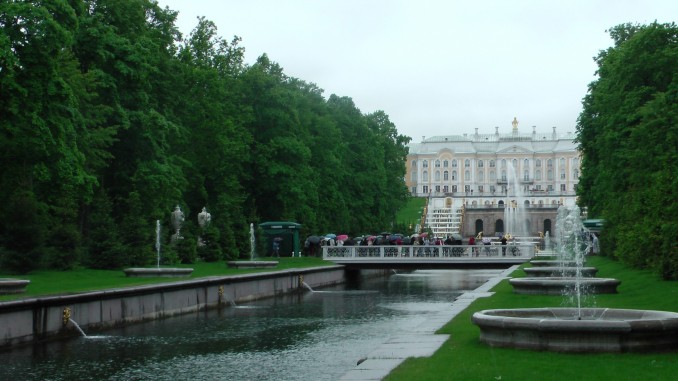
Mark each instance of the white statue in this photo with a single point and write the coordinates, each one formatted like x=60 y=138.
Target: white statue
x=177 y=221
x=204 y=218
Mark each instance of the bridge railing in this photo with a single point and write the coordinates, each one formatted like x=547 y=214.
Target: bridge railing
x=428 y=251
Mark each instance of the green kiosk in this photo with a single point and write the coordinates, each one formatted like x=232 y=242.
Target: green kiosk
x=286 y=232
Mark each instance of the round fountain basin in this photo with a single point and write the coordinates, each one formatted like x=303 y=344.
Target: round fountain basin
x=559 y=271
x=599 y=330
x=13 y=286
x=158 y=272
x=557 y=285
x=552 y=263
x=252 y=264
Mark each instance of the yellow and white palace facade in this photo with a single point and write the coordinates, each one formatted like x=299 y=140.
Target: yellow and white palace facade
x=480 y=174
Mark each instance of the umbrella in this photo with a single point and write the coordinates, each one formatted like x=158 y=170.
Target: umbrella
x=330 y=236
x=424 y=235
x=313 y=239
x=415 y=235
x=371 y=238
x=277 y=239
x=342 y=237
x=385 y=234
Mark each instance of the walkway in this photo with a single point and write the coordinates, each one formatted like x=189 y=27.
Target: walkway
x=421 y=341
x=429 y=257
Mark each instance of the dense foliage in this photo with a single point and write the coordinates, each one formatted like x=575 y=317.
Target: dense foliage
x=109 y=119
x=628 y=135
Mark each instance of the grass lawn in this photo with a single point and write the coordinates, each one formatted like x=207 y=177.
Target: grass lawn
x=49 y=282
x=463 y=357
x=411 y=212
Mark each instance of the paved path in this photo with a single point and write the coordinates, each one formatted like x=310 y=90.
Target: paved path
x=421 y=340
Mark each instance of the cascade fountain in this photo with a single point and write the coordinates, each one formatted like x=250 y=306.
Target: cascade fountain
x=577 y=329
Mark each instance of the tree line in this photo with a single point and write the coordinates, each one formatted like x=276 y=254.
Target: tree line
x=628 y=136
x=109 y=118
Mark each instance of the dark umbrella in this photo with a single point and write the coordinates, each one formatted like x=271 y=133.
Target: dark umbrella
x=314 y=239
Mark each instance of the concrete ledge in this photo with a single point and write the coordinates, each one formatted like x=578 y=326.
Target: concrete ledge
x=13 y=286
x=29 y=320
x=147 y=272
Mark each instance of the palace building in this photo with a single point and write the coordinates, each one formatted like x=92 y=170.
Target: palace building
x=472 y=180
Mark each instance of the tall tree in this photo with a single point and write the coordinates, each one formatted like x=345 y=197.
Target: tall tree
x=627 y=133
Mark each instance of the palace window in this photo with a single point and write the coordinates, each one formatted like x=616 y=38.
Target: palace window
x=437 y=163
x=454 y=175
x=480 y=163
x=493 y=176
x=549 y=175
x=537 y=163
x=454 y=163
x=467 y=176
x=424 y=163
x=425 y=190
x=491 y=163
x=414 y=163
x=446 y=176
x=481 y=176
x=425 y=176
x=549 y=163
x=446 y=163
x=467 y=163
x=438 y=188
x=575 y=174
x=445 y=189
x=414 y=175
x=537 y=175
x=437 y=176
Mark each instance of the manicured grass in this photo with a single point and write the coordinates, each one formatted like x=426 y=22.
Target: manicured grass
x=411 y=212
x=464 y=357
x=50 y=282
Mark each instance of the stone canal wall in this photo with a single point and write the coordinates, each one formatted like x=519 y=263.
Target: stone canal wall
x=30 y=320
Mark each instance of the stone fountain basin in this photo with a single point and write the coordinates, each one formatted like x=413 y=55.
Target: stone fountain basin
x=158 y=272
x=252 y=264
x=548 y=271
x=599 y=330
x=557 y=285
x=552 y=263
x=13 y=286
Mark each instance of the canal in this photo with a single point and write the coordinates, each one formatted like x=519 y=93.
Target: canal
x=310 y=335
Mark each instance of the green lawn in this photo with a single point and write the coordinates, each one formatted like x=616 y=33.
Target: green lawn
x=49 y=282
x=410 y=214
x=463 y=357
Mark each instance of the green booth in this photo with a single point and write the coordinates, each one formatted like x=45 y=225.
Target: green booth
x=286 y=232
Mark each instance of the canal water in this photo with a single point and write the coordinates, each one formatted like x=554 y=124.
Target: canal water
x=309 y=335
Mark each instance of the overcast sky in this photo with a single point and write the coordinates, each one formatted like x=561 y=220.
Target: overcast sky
x=435 y=67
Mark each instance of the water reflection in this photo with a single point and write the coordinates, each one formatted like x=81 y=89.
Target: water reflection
x=302 y=336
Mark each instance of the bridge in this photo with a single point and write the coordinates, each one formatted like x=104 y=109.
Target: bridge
x=430 y=256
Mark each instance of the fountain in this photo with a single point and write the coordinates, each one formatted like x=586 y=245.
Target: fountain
x=13 y=286
x=252 y=264
x=515 y=215
x=576 y=329
x=177 y=221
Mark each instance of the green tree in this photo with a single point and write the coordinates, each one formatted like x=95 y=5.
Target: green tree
x=627 y=133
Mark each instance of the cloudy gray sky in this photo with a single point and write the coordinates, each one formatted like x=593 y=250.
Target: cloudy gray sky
x=435 y=67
